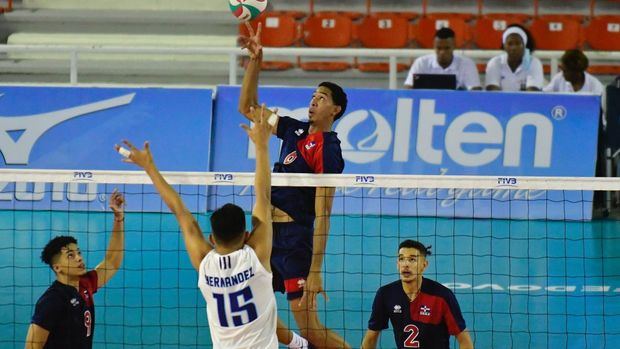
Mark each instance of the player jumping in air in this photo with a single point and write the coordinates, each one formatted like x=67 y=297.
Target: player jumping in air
x=300 y=215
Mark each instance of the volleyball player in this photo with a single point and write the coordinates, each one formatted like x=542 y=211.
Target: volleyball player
x=301 y=215
x=64 y=316
x=234 y=275
x=423 y=312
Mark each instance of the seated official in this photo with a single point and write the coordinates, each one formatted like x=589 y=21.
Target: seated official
x=444 y=61
x=573 y=77
x=515 y=69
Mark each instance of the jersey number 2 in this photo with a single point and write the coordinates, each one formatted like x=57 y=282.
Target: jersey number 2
x=240 y=302
x=414 y=331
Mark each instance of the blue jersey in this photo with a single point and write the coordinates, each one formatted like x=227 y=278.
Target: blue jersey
x=426 y=322
x=303 y=153
x=68 y=314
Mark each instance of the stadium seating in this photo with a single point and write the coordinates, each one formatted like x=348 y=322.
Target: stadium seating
x=327 y=30
x=556 y=34
x=382 y=30
x=488 y=29
x=443 y=15
x=424 y=32
x=603 y=33
x=278 y=30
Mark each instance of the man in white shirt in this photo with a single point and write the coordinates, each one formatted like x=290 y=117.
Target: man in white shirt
x=443 y=61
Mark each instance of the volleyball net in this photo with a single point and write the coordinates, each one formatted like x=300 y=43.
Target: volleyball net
x=529 y=261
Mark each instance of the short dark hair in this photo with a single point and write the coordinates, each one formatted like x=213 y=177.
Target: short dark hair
x=228 y=223
x=575 y=60
x=53 y=247
x=338 y=96
x=531 y=45
x=424 y=250
x=444 y=33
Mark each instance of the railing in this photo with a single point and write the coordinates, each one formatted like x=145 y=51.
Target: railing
x=73 y=55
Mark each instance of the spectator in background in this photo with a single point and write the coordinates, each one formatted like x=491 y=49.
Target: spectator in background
x=516 y=69
x=573 y=77
x=443 y=61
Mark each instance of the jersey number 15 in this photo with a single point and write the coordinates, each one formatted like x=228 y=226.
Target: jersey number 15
x=240 y=303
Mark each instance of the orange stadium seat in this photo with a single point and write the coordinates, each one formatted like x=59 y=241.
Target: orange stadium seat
x=424 y=32
x=561 y=16
x=292 y=13
x=382 y=30
x=278 y=30
x=488 y=29
x=556 y=34
x=603 y=33
x=327 y=30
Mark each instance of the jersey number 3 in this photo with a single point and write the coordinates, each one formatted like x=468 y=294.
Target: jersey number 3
x=240 y=303
x=414 y=331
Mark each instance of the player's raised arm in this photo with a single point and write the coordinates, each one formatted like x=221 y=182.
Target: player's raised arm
x=116 y=247
x=248 y=96
x=261 y=238
x=195 y=243
x=249 y=88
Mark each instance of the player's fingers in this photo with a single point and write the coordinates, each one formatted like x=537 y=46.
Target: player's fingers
x=246 y=128
x=263 y=115
x=128 y=143
x=128 y=160
x=324 y=295
x=303 y=299
x=258 y=31
x=248 y=26
x=147 y=146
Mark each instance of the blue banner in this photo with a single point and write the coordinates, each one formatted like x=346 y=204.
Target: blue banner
x=442 y=132
x=76 y=128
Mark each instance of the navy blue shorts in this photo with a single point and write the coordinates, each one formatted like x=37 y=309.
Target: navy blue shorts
x=291 y=256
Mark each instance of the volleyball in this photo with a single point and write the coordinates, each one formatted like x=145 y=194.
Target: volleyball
x=247 y=10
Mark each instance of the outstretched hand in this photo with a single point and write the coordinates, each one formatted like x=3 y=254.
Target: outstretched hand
x=142 y=158
x=252 y=42
x=117 y=203
x=261 y=130
x=312 y=288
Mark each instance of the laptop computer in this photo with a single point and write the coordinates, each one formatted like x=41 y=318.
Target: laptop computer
x=434 y=81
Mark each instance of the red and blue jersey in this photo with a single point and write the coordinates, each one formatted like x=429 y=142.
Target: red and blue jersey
x=68 y=313
x=302 y=152
x=426 y=322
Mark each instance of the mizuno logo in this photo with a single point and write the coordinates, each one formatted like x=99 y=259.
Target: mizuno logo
x=16 y=151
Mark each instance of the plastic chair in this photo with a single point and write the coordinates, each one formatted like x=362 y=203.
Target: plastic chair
x=382 y=30
x=488 y=30
x=278 y=30
x=426 y=28
x=327 y=30
x=603 y=33
x=560 y=34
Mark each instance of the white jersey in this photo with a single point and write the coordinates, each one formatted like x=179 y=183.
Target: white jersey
x=241 y=305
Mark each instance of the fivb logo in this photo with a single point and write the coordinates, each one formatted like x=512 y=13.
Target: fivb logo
x=32 y=127
x=468 y=129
